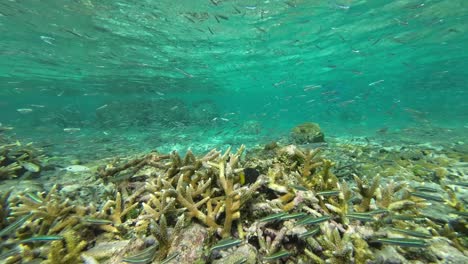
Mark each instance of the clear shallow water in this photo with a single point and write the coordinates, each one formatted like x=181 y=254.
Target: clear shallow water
x=146 y=74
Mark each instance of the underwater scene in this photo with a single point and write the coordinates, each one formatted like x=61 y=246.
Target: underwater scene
x=233 y=131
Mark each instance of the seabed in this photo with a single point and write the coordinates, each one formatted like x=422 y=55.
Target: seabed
x=349 y=200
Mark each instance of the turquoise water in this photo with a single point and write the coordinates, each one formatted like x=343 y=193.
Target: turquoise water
x=137 y=75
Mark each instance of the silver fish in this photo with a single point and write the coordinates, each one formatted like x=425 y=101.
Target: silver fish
x=76 y=168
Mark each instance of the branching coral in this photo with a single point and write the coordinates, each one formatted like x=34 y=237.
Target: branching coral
x=47 y=210
x=388 y=194
x=337 y=248
x=4 y=208
x=164 y=236
x=367 y=192
x=66 y=252
x=9 y=171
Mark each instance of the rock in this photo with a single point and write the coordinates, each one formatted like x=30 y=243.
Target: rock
x=441 y=249
x=243 y=254
x=188 y=244
x=307 y=133
x=113 y=252
x=389 y=255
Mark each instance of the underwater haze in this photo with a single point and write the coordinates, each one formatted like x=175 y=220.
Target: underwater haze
x=200 y=73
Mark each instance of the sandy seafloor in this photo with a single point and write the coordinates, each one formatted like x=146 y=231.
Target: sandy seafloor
x=379 y=153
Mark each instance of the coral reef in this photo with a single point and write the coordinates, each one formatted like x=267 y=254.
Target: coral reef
x=282 y=204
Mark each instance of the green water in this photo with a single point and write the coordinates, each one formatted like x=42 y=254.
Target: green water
x=143 y=74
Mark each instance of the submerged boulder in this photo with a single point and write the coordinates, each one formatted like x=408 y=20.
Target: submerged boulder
x=307 y=133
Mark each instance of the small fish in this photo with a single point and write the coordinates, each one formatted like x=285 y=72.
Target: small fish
x=102 y=107
x=412 y=233
x=223 y=17
x=226 y=243
x=24 y=110
x=407 y=217
x=76 y=168
x=41 y=239
x=344 y=7
x=144 y=256
x=462 y=214
x=169 y=258
x=378 y=211
x=15 y=225
x=273 y=217
x=184 y=73
x=279 y=83
x=71 y=129
x=403 y=242
x=241 y=261
x=211 y=31
x=29 y=166
x=12 y=252
x=363 y=217
x=427 y=196
x=329 y=193
x=47 y=40
x=293 y=216
x=462 y=184
x=311 y=232
x=310 y=220
x=34 y=197
x=426 y=189
x=97 y=221
x=377 y=82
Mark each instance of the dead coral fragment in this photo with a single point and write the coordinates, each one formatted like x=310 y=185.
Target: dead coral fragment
x=403 y=242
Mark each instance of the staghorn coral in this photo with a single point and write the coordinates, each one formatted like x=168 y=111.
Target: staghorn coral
x=165 y=237
x=66 y=252
x=9 y=171
x=341 y=205
x=47 y=210
x=388 y=194
x=335 y=247
x=4 y=208
x=367 y=192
